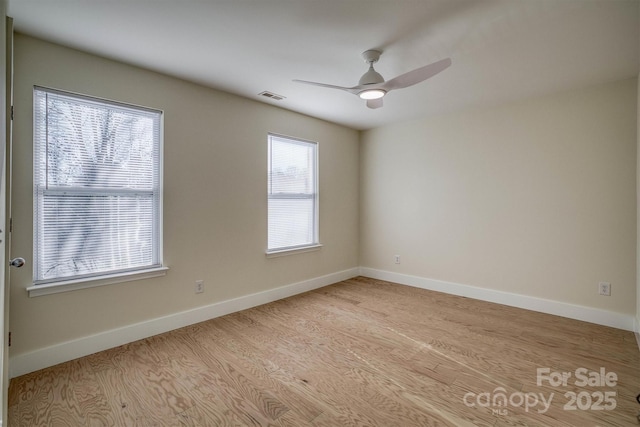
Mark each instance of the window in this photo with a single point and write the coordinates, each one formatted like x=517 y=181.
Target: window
x=292 y=194
x=97 y=188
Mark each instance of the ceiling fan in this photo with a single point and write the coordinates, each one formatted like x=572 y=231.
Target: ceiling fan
x=372 y=86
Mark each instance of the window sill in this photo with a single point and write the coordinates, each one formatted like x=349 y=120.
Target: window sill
x=285 y=252
x=73 y=285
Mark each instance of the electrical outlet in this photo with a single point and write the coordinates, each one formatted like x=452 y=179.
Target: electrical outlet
x=604 y=288
x=396 y=259
x=199 y=286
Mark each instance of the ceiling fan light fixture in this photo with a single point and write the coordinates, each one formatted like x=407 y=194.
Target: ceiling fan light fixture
x=372 y=94
x=372 y=86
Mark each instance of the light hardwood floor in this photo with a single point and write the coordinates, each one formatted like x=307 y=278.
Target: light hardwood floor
x=362 y=352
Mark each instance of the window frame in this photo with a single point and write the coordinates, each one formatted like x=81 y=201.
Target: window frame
x=314 y=196
x=42 y=286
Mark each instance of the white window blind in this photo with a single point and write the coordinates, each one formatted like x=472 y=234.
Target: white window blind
x=97 y=187
x=292 y=194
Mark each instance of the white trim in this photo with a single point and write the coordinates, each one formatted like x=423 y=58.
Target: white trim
x=572 y=311
x=42 y=358
x=284 y=252
x=92 y=282
x=39 y=359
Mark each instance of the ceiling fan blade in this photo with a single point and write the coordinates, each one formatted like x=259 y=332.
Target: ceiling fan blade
x=348 y=89
x=417 y=75
x=374 y=103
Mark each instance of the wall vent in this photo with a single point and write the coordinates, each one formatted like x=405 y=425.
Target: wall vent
x=272 y=95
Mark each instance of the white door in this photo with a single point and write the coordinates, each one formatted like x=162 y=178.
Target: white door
x=6 y=71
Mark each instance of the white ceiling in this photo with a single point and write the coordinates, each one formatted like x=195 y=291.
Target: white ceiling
x=501 y=50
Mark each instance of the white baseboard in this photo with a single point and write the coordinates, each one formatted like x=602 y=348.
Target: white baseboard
x=578 y=312
x=24 y=363
x=42 y=358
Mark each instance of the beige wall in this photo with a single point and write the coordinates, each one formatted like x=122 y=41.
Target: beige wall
x=214 y=198
x=535 y=198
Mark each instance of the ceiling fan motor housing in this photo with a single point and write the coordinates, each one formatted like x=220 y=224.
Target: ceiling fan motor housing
x=371 y=56
x=371 y=77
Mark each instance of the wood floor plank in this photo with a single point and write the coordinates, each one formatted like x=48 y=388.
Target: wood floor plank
x=64 y=395
x=304 y=408
x=362 y=352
